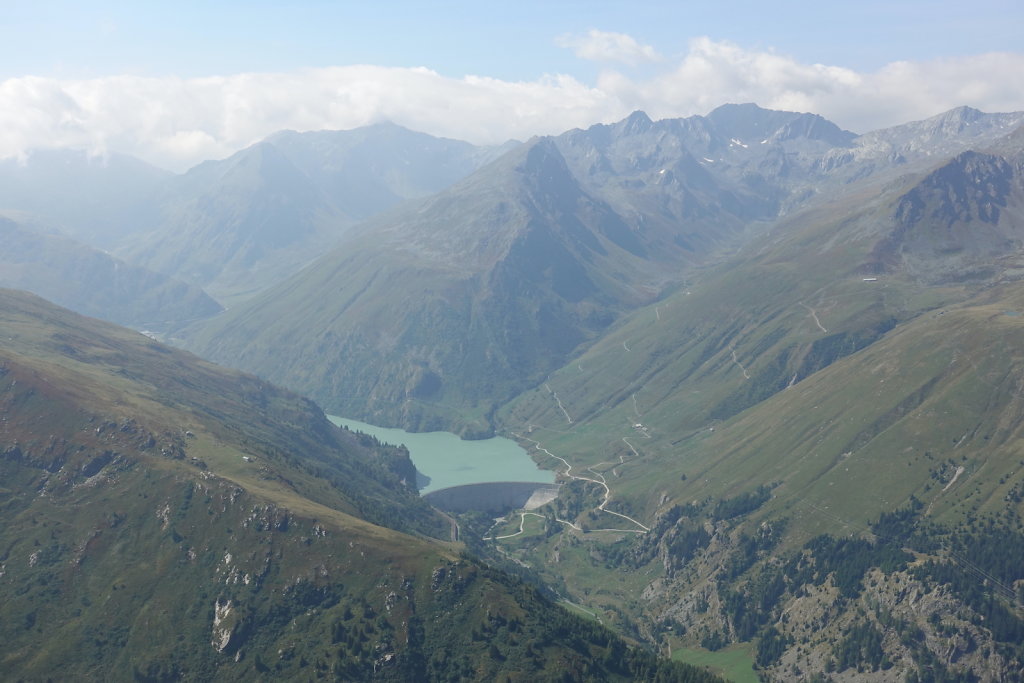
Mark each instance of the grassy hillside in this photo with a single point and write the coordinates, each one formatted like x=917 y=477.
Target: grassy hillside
x=99 y=372
x=807 y=449
x=437 y=313
x=744 y=363
x=830 y=399
x=165 y=519
x=442 y=310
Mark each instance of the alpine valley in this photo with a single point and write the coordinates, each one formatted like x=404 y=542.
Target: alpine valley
x=166 y=519
x=777 y=366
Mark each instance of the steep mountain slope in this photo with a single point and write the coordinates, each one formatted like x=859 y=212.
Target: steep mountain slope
x=91 y=370
x=91 y=282
x=237 y=225
x=943 y=135
x=649 y=175
x=779 y=376
x=618 y=214
x=825 y=284
x=369 y=169
x=242 y=224
x=166 y=519
x=521 y=263
x=852 y=373
x=443 y=309
x=951 y=222
x=702 y=178
x=899 y=149
x=908 y=449
x=962 y=220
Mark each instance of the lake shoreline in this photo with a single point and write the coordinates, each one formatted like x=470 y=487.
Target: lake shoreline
x=444 y=460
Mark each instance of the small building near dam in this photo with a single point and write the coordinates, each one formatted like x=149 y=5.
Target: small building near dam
x=496 y=497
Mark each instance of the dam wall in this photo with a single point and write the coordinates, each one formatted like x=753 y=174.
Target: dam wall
x=497 y=496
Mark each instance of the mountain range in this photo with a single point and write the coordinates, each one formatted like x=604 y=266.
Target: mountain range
x=95 y=283
x=768 y=315
x=241 y=224
x=774 y=363
x=535 y=255
x=237 y=225
x=95 y=199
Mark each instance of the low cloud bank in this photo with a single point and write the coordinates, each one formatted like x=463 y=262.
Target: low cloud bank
x=176 y=123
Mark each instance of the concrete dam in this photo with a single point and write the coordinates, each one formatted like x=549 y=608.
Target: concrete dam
x=496 y=497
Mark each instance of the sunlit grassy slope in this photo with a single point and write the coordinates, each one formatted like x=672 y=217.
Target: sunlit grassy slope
x=801 y=361
x=165 y=519
x=854 y=360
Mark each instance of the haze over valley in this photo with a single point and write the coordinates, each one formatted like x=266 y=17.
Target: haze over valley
x=707 y=359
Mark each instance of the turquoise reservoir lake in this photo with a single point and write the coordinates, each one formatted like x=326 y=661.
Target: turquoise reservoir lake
x=450 y=461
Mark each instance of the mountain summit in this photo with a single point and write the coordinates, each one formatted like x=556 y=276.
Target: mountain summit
x=514 y=260
x=240 y=225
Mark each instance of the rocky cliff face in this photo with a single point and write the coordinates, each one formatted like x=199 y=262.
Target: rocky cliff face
x=961 y=220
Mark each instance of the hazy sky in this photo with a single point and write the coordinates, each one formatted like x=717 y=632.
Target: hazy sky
x=177 y=82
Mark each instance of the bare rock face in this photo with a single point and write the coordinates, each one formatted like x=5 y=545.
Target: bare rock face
x=959 y=221
x=222 y=629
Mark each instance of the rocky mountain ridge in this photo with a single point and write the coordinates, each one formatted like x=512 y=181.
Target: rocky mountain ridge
x=774 y=363
x=616 y=215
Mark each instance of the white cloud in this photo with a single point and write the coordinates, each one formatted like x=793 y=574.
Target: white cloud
x=176 y=122
x=603 y=46
x=715 y=72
